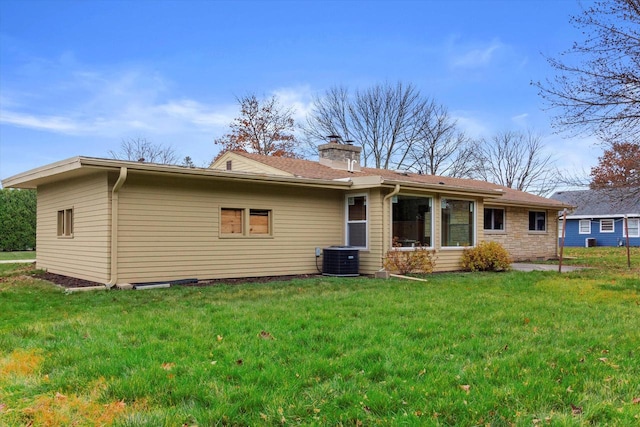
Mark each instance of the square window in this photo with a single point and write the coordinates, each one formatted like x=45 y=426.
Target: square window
x=537 y=221
x=585 y=226
x=260 y=222
x=607 y=226
x=493 y=219
x=231 y=221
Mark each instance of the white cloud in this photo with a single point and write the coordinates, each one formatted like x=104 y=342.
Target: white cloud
x=107 y=104
x=521 y=119
x=46 y=123
x=299 y=98
x=474 y=56
x=472 y=126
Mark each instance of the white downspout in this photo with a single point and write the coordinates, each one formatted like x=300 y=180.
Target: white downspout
x=385 y=240
x=114 y=227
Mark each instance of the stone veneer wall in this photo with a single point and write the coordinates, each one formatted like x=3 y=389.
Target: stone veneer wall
x=521 y=243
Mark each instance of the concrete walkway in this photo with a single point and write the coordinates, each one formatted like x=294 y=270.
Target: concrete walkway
x=521 y=266
x=17 y=261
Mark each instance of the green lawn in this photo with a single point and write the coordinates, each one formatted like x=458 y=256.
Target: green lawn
x=10 y=256
x=461 y=349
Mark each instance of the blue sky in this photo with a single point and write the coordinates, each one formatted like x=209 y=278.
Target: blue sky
x=77 y=77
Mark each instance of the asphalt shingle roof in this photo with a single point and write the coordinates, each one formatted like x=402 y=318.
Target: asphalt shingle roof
x=315 y=170
x=598 y=203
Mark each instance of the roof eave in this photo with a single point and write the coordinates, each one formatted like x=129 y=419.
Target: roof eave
x=33 y=178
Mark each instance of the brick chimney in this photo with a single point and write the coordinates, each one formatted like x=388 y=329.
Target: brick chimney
x=339 y=155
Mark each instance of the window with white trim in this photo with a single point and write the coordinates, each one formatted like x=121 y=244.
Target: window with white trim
x=65 y=223
x=633 y=225
x=494 y=219
x=607 y=225
x=584 y=226
x=411 y=221
x=457 y=222
x=537 y=221
x=356 y=232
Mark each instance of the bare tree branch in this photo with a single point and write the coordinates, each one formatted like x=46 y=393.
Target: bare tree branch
x=516 y=160
x=143 y=150
x=597 y=86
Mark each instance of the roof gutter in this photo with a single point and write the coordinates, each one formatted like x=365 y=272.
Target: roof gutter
x=115 y=196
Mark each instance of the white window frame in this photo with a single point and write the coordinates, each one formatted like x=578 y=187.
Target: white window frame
x=584 y=221
x=433 y=222
x=474 y=238
x=608 y=220
x=636 y=227
x=365 y=222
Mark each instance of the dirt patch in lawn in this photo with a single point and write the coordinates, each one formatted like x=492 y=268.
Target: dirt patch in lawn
x=66 y=281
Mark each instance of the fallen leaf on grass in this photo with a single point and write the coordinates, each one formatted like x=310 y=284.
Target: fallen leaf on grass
x=466 y=388
x=265 y=335
x=636 y=401
x=603 y=359
x=60 y=396
x=168 y=366
x=220 y=338
x=2 y=406
x=576 y=410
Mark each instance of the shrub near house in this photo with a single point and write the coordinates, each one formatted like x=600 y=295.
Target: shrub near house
x=487 y=256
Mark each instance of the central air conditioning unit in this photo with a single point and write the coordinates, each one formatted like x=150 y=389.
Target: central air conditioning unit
x=340 y=261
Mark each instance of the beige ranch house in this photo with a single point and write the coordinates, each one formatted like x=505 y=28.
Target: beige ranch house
x=120 y=222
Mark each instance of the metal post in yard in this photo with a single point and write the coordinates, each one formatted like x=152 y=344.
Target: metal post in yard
x=626 y=232
x=564 y=227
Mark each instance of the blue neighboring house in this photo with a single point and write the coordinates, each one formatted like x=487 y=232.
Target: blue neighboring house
x=598 y=219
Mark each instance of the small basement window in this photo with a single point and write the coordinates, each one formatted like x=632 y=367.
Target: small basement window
x=65 y=223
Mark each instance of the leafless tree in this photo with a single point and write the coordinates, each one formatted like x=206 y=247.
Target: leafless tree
x=516 y=160
x=597 y=86
x=395 y=125
x=441 y=148
x=143 y=150
x=382 y=119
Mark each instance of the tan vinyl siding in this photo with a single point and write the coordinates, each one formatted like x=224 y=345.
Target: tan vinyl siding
x=242 y=164
x=85 y=254
x=371 y=259
x=170 y=230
